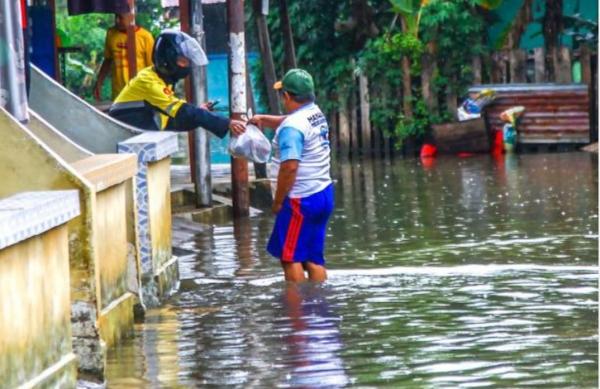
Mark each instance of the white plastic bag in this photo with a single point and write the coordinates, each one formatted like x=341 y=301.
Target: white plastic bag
x=252 y=145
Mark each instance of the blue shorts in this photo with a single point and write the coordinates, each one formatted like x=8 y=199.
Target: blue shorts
x=300 y=227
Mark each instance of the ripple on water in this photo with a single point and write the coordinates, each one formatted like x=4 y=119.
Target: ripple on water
x=465 y=275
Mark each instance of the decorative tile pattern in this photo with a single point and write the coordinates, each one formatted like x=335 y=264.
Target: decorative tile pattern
x=149 y=147
x=31 y=213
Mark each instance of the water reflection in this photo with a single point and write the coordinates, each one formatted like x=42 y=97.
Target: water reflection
x=314 y=343
x=475 y=272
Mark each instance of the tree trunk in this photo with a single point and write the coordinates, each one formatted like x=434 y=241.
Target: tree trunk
x=552 y=27
x=288 y=37
x=266 y=54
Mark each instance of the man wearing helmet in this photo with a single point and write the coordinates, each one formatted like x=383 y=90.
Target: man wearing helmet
x=148 y=101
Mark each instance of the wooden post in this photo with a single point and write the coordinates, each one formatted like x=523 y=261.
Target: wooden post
x=288 y=36
x=518 y=70
x=365 y=114
x=539 y=65
x=497 y=68
x=451 y=100
x=477 y=79
x=237 y=102
x=333 y=133
x=131 y=44
x=428 y=65
x=562 y=66
x=266 y=55
x=585 y=58
x=354 y=133
x=344 y=129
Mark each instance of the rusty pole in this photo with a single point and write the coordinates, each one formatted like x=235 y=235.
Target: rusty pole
x=238 y=102
x=131 y=45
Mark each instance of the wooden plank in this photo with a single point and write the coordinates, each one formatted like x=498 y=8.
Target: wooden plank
x=586 y=65
x=539 y=65
x=365 y=116
x=476 y=64
x=563 y=69
x=467 y=136
x=517 y=63
x=344 y=130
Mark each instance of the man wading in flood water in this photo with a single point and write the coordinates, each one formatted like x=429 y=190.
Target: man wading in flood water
x=300 y=167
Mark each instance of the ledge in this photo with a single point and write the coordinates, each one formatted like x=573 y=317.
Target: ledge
x=31 y=213
x=151 y=145
x=106 y=170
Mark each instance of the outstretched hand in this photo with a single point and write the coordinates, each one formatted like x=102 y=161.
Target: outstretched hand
x=257 y=120
x=237 y=127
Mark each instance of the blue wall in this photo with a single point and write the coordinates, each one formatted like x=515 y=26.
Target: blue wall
x=218 y=88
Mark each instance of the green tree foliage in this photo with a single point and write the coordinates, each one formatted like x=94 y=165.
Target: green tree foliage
x=456 y=30
x=454 y=26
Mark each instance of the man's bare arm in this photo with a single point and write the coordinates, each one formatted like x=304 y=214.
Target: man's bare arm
x=285 y=181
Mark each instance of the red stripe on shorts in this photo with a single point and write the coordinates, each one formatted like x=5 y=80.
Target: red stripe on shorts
x=291 y=239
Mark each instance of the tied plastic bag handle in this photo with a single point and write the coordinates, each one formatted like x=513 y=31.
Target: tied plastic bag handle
x=252 y=145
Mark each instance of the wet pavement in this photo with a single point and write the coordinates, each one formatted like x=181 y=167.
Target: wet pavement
x=473 y=272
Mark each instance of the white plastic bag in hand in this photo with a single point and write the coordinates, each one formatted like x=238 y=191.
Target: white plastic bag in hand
x=252 y=145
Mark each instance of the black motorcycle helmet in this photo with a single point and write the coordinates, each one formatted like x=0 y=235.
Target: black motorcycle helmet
x=168 y=47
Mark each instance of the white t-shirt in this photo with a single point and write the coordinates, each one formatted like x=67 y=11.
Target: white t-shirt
x=303 y=135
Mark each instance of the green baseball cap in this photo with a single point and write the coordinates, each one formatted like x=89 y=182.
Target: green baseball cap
x=296 y=81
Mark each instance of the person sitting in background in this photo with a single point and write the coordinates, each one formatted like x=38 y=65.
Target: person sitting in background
x=148 y=101
x=115 y=54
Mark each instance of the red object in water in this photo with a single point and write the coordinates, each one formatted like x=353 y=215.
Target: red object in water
x=498 y=145
x=428 y=151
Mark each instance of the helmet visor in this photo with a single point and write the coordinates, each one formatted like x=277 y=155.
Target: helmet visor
x=192 y=50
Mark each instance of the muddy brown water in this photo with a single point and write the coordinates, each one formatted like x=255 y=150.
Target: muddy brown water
x=460 y=273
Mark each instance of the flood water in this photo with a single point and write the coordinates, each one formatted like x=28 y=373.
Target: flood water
x=463 y=273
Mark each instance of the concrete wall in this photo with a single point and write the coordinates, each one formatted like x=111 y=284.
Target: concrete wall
x=35 y=306
x=102 y=256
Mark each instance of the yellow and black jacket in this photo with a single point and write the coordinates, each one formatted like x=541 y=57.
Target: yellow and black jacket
x=147 y=102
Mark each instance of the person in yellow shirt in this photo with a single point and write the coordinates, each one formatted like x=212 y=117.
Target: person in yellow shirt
x=115 y=54
x=148 y=101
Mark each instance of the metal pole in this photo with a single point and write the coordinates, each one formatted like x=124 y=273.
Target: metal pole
x=237 y=102
x=13 y=94
x=203 y=180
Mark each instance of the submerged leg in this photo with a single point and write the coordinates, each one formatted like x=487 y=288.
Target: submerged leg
x=293 y=271
x=316 y=272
